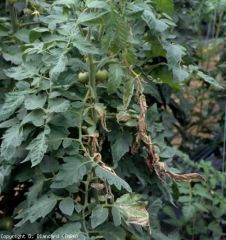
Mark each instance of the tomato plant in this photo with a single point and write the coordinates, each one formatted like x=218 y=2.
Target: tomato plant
x=94 y=157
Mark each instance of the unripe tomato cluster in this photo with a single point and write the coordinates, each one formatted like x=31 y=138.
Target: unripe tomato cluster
x=101 y=76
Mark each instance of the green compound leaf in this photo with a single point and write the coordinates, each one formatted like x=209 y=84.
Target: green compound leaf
x=67 y=206
x=72 y=171
x=99 y=215
x=38 y=148
x=41 y=208
x=111 y=178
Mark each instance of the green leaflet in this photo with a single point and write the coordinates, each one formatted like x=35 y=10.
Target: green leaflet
x=67 y=206
x=41 y=208
x=174 y=53
x=84 y=46
x=12 y=102
x=21 y=72
x=38 y=148
x=111 y=178
x=69 y=228
x=34 y=191
x=188 y=212
x=111 y=232
x=209 y=79
x=99 y=215
x=34 y=101
x=11 y=140
x=166 y=6
x=72 y=171
x=58 y=105
x=36 y=117
x=116 y=216
x=121 y=145
x=121 y=34
x=116 y=75
x=128 y=92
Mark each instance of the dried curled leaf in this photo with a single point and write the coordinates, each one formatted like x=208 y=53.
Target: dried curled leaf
x=161 y=168
x=103 y=120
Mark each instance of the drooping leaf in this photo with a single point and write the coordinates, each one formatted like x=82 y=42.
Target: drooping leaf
x=41 y=208
x=72 y=171
x=111 y=178
x=67 y=206
x=209 y=79
x=12 y=102
x=38 y=148
x=121 y=145
x=98 y=216
x=11 y=140
x=116 y=75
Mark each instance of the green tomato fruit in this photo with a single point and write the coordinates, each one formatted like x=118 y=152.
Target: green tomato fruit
x=6 y=223
x=83 y=77
x=102 y=75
